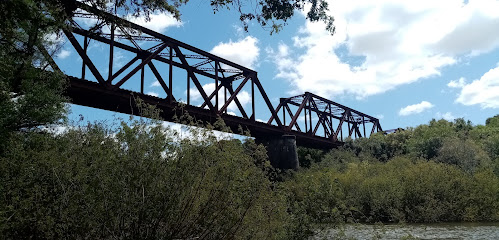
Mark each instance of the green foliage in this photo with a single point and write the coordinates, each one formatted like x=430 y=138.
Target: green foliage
x=492 y=122
x=463 y=153
x=308 y=156
x=29 y=95
x=399 y=190
x=380 y=146
x=136 y=182
x=443 y=171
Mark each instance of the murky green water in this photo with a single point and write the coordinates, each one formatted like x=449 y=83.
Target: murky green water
x=441 y=231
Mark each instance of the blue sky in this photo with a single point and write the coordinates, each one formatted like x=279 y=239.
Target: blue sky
x=405 y=62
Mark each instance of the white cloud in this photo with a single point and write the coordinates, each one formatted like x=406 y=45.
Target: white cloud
x=380 y=45
x=461 y=82
x=63 y=54
x=155 y=94
x=155 y=84
x=54 y=38
x=244 y=52
x=243 y=97
x=158 y=22
x=415 y=108
x=447 y=116
x=484 y=91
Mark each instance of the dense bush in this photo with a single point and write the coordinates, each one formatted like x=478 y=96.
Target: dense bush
x=443 y=171
x=399 y=190
x=135 y=182
x=140 y=180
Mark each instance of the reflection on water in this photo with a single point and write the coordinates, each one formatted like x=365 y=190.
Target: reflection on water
x=413 y=231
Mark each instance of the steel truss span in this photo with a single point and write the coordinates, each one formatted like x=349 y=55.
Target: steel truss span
x=330 y=125
x=330 y=117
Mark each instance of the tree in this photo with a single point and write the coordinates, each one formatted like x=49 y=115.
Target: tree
x=493 y=121
x=268 y=13
x=29 y=96
x=135 y=182
x=465 y=154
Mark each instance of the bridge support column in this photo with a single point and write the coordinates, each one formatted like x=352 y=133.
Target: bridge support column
x=282 y=152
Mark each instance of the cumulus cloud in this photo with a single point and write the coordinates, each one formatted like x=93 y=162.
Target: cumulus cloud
x=380 y=45
x=447 y=116
x=158 y=21
x=63 y=54
x=483 y=91
x=415 y=108
x=461 y=82
x=244 y=52
x=155 y=84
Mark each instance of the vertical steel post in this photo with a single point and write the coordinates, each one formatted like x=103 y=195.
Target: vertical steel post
x=170 y=78
x=216 y=85
x=305 y=112
x=253 y=98
x=85 y=47
x=331 y=120
x=310 y=114
x=225 y=97
x=142 y=79
x=111 y=55
x=364 y=124
x=188 y=90
x=283 y=112
x=341 y=133
x=348 y=121
x=354 y=125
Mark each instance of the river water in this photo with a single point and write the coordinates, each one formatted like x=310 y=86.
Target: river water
x=439 y=231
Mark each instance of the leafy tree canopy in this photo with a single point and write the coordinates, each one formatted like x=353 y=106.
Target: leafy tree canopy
x=493 y=121
x=271 y=14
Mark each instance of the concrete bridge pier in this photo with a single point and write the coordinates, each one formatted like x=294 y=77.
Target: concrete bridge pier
x=282 y=152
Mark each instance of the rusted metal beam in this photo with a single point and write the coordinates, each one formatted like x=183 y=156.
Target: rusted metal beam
x=111 y=54
x=192 y=76
x=267 y=101
x=233 y=95
x=236 y=100
x=84 y=57
x=291 y=115
x=161 y=81
x=141 y=52
x=281 y=103
x=111 y=18
x=297 y=114
x=125 y=67
x=140 y=66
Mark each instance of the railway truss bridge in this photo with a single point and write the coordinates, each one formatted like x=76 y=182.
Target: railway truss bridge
x=214 y=87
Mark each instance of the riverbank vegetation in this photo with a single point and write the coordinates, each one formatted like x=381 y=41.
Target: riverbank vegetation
x=438 y=172
x=140 y=180
x=135 y=181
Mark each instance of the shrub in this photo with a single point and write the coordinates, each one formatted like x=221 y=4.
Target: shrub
x=135 y=182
